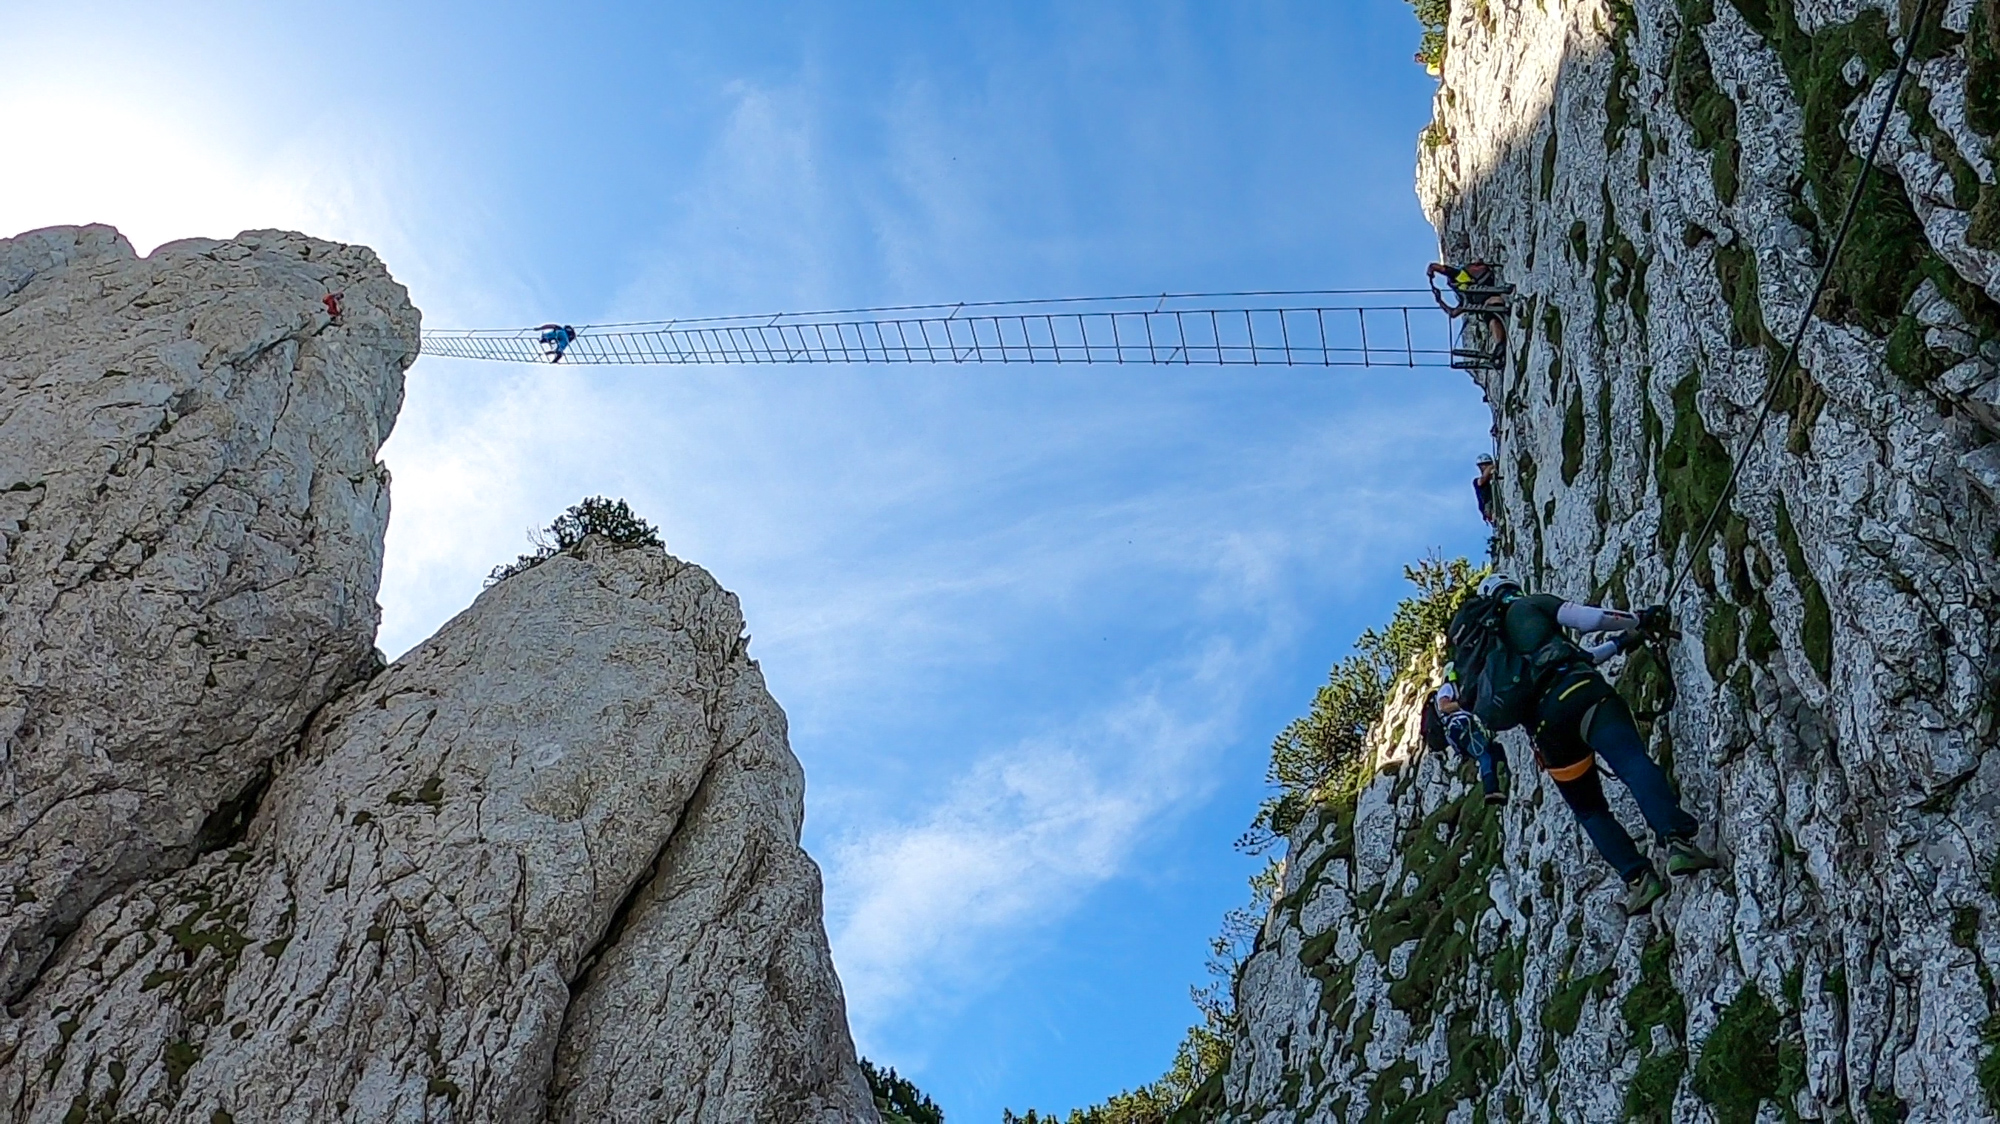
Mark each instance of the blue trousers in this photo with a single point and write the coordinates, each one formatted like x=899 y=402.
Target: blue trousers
x=1615 y=740
x=1487 y=761
x=1470 y=738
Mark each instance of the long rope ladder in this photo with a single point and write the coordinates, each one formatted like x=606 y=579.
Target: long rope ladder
x=1325 y=328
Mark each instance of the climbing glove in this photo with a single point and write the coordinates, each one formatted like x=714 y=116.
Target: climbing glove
x=1655 y=621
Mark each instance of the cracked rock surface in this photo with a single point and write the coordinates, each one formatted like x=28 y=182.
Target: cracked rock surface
x=1660 y=179
x=191 y=520
x=544 y=867
x=549 y=858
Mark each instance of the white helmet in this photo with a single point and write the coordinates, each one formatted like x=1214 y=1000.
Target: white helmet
x=1494 y=583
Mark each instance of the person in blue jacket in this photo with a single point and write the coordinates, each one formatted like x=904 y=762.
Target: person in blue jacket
x=558 y=337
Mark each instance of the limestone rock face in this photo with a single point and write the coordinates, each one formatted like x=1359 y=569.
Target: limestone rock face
x=546 y=866
x=549 y=858
x=191 y=520
x=1662 y=180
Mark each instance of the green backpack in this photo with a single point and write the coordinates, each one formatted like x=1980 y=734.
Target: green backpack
x=1501 y=685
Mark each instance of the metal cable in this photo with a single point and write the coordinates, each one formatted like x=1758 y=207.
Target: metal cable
x=1283 y=329
x=1819 y=290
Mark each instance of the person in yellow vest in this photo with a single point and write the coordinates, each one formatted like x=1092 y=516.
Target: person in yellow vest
x=1477 y=286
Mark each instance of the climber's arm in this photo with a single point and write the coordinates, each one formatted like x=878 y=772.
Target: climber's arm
x=1604 y=650
x=1590 y=618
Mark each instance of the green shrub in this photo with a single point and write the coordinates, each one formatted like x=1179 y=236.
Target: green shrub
x=899 y=1101
x=596 y=515
x=1318 y=757
x=1433 y=14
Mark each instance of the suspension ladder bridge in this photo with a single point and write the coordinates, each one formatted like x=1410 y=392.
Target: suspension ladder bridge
x=1327 y=328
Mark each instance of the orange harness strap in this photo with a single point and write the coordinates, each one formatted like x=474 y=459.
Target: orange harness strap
x=1572 y=771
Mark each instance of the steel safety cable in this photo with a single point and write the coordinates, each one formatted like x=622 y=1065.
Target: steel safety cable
x=1805 y=321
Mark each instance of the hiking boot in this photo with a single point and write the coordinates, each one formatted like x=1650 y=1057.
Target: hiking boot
x=1684 y=858
x=1496 y=798
x=1642 y=892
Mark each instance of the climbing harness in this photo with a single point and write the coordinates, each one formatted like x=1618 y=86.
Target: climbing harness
x=1825 y=275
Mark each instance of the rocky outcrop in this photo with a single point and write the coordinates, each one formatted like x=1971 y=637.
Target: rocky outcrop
x=191 y=522
x=550 y=856
x=1662 y=180
x=546 y=866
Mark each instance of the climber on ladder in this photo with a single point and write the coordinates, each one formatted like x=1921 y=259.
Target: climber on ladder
x=1446 y=723
x=558 y=337
x=1477 y=293
x=1518 y=668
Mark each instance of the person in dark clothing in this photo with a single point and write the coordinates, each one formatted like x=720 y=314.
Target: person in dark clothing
x=1482 y=485
x=1470 y=737
x=1579 y=719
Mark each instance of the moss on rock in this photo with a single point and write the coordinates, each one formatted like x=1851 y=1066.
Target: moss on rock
x=1749 y=1058
x=1572 y=440
x=1692 y=471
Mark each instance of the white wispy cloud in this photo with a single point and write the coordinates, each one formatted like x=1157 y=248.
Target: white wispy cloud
x=924 y=908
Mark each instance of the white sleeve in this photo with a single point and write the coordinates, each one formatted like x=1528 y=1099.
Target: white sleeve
x=1590 y=618
x=1600 y=652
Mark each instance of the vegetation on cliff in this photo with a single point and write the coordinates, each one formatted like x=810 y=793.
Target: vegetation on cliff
x=897 y=1099
x=596 y=515
x=1317 y=761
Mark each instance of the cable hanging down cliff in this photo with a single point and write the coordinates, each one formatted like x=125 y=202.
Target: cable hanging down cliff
x=1325 y=328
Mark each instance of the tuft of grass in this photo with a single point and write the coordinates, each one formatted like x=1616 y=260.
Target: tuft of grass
x=1572 y=439
x=1744 y=1063
x=1564 y=1010
x=1691 y=471
x=1649 y=1099
x=181 y=1056
x=1816 y=629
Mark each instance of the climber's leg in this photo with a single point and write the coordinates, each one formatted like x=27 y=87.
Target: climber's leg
x=1615 y=738
x=1585 y=797
x=1484 y=760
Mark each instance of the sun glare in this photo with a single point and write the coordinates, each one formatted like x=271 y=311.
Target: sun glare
x=154 y=175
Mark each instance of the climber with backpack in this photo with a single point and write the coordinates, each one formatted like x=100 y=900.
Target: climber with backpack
x=1446 y=723
x=559 y=337
x=1517 y=667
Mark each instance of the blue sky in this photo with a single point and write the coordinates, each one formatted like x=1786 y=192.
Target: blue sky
x=1034 y=627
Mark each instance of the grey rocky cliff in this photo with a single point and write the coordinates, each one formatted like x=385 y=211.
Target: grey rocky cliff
x=191 y=520
x=546 y=866
x=1661 y=181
